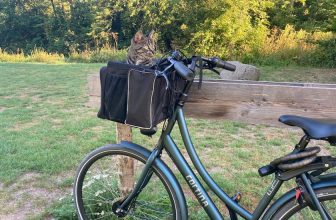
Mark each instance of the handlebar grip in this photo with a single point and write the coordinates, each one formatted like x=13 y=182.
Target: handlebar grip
x=184 y=71
x=222 y=64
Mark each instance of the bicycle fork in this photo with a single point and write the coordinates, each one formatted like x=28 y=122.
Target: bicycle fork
x=120 y=208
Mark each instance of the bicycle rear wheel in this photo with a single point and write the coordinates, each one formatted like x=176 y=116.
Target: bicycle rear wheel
x=294 y=211
x=98 y=187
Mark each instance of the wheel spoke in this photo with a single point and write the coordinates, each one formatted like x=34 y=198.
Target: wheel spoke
x=327 y=212
x=101 y=190
x=294 y=211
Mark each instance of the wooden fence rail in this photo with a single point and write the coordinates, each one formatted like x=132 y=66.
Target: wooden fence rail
x=250 y=101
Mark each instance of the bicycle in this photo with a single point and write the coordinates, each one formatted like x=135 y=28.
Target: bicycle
x=157 y=193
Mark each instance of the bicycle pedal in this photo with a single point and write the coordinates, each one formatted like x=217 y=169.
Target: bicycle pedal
x=237 y=197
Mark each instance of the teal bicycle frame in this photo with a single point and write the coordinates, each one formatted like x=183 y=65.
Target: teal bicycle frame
x=194 y=183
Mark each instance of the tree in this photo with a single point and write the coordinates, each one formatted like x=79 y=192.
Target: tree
x=310 y=15
x=225 y=28
x=237 y=29
x=22 y=25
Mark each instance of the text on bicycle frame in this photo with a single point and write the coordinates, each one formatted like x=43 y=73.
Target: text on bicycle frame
x=197 y=191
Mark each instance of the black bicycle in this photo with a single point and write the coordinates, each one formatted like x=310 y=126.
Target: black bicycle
x=157 y=193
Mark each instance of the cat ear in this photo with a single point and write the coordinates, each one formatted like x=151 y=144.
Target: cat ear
x=138 y=37
x=151 y=34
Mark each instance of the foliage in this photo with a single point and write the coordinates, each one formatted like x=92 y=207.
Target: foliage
x=12 y=57
x=101 y=55
x=22 y=24
x=289 y=46
x=325 y=55
x=226 y=28
x=310 y=15
x=41 y=56
x=64 y=209
x=105 y=54
x=237 y=30
x=37 y=55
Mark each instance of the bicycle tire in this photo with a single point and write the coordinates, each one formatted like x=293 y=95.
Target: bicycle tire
x=293 y=210
x=92 y=208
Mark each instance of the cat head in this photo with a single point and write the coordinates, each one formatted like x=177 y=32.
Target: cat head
x=140 y=38
x=143 y=48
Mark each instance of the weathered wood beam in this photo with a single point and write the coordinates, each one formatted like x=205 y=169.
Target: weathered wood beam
x=249 y=101
x=261 y=102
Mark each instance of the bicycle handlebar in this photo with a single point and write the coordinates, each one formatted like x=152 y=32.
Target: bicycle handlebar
x=183 y=70
x=222 y=64
x=181 y=65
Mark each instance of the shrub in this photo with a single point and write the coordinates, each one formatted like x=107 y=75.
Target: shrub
x=288 y=46
x=37 y=55
x=41 y=56
x=101 y=55
x=106 y=53
x=79 y=57
x=326 y=53
x=12 y=57
x=87 y=56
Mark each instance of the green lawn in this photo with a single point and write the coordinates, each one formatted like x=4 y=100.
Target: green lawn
x=46 y=130
x=298 y=74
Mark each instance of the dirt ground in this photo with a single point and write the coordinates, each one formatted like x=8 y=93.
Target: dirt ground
x=29 y=196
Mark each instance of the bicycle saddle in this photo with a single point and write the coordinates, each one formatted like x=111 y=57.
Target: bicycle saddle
x=314 y=128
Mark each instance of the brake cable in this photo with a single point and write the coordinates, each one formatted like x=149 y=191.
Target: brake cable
x=163 y=73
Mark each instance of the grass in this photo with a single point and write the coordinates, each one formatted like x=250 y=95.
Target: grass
x=46 y=130
x=42 y=114
x=100 y=55
x=298 y=74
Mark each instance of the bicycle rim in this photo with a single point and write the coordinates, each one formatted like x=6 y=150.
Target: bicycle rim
x=98 y=186
x=294 y=211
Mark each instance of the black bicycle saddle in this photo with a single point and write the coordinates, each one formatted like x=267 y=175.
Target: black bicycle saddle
x=314 y=128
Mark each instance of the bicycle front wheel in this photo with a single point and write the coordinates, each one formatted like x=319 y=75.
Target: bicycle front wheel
x=294 y=211
x=98 y=186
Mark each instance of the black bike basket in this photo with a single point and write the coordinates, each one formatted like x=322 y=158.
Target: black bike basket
x=135 y=95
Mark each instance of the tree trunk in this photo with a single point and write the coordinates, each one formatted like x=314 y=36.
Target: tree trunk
x=54 y=8
x=126 y=165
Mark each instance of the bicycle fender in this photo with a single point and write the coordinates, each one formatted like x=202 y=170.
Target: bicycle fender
x=291 y=194
x=166 y=170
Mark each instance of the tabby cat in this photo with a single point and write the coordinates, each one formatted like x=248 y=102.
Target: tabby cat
x=141 y=52
x=142 y=49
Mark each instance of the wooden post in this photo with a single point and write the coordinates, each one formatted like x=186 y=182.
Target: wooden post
x=126 y=164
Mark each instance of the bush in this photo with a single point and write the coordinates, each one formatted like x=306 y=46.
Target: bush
x=326 y=53
x=41 y=56
x=9 y=57
x=87 y=56
x=101 y=55
x=231 y=33
x=79 y=57
x=288 y=46
x=105 y=54
x=280 y=47
x=37 y=55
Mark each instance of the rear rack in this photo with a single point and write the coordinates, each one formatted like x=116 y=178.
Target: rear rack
x=294 y=164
